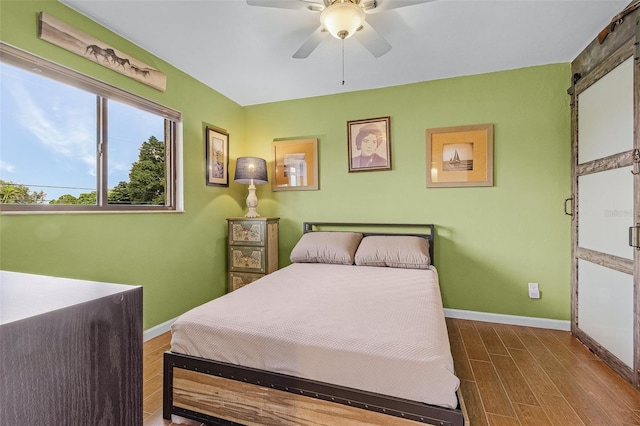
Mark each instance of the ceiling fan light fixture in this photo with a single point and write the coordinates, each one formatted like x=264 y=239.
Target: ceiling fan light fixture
x=342 y=18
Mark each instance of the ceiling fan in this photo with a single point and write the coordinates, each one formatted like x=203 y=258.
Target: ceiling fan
x=342 y=19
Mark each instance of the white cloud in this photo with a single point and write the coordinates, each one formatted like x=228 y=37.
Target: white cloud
x=62 y=129
x=6 y=167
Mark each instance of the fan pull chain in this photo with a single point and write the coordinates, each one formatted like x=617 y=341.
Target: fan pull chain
x=343 y=62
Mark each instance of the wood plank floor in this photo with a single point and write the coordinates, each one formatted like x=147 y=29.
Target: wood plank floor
x=509 y=375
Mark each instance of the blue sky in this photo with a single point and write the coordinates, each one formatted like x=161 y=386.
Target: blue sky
x=48 y=134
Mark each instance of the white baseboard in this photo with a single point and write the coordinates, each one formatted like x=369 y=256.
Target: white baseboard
x=449 y=313
x=509 y=319
x=158 y=330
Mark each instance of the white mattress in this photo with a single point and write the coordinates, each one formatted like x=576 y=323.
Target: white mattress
x=377 y=329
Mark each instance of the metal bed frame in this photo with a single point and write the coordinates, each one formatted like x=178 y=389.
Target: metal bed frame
x=196 y=388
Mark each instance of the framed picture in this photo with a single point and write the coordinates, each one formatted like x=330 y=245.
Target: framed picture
x=217 y=146
x=460 y=156
x=80 y=43
x=369 y=144
x=295 y=165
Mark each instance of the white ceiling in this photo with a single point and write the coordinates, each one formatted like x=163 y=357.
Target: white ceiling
x=244 y=52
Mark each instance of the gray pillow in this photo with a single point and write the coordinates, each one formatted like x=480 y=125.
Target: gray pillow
x=394 y=251
x=326 y=247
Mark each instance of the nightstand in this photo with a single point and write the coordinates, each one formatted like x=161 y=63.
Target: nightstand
x=253 y=249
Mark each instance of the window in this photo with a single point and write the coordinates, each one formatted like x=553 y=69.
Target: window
x=69 y=142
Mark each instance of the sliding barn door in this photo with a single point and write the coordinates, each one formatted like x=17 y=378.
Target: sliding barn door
x=606 y=205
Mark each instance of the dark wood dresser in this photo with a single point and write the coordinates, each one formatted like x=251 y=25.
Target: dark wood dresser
x=70 y=351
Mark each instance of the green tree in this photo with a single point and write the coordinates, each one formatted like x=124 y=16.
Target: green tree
x=146 y=183
x=65 y=199
x=90 y=198
x=119 y=194
x=147 y=175
x=17 y=193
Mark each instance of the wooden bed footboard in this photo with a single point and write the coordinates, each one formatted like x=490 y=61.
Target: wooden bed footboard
x=225 y=394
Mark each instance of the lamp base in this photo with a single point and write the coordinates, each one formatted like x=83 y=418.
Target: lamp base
x=252 y=202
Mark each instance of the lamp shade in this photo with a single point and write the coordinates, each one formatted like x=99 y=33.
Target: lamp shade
x=342 y=19
x=251 y=170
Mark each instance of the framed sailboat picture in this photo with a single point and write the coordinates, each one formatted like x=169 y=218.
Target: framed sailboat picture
x=460 y=156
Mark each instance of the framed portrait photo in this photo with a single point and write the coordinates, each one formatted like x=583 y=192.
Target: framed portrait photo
x=460 y=156
x=369 y=143
x=217 y=154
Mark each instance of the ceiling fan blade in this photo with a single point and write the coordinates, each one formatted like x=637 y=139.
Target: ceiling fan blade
x=373 y=41
x=310 y=45
x=286 y=4
x=379 y=5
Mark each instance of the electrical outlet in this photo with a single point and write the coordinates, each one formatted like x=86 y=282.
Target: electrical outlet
x=534 y=291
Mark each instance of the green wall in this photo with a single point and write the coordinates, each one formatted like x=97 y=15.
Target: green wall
x=490 y=243
x=179 y=258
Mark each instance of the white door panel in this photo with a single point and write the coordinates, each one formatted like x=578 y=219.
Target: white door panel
x=605 y=308
x=604 y=297
x=605 y=122
x=606 y=211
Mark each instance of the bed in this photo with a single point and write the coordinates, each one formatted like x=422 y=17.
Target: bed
x=352 y=332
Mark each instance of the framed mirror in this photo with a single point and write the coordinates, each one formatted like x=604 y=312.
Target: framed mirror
x=295 y=165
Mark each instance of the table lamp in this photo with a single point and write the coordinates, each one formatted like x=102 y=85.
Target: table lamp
x=251 y=171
